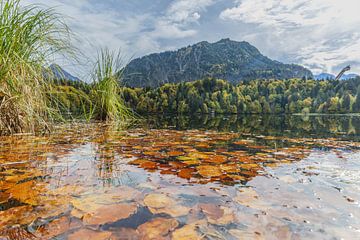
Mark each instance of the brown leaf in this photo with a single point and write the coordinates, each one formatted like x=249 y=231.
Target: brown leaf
x=186 y=173
x=125 y=234
x=149 y=165
x=158 y=200
x=209 y=171
x=87 y=234
x=175 y=153
x=109 y=213
x=26 y=192
x=216 y=159
x=186 y=233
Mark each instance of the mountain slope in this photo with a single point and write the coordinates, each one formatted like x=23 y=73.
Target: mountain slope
x=226 y=59
x=60 y=74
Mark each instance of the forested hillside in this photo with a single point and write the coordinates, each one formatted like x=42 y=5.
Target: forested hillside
x=257 y=96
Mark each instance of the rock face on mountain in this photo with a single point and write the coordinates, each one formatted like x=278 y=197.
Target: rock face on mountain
x=225 y=59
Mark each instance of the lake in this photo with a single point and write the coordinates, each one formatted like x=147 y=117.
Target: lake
x=185 y=177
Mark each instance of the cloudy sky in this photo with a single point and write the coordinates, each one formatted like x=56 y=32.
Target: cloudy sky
x=323 y=35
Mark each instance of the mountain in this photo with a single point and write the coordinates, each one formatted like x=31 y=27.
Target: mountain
x=324 y=76
x=60 y=74
x=225 y=59
x=349 y=76
x=328 y=76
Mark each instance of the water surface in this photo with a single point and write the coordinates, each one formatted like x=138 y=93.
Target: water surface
x=199 y=177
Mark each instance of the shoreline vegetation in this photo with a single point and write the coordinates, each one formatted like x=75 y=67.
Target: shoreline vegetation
x=33 y=99
x=30 y=100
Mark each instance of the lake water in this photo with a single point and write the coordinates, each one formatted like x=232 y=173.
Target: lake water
x=198 y=177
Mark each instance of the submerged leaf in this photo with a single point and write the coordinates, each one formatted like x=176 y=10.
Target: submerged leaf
x=158 y=201
x=186 y=233
x=157 y=228
x=87 y=234
x=109 y=213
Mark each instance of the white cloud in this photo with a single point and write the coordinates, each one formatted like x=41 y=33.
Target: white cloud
x=179 y=17
x=321 y=33
x=186 y=11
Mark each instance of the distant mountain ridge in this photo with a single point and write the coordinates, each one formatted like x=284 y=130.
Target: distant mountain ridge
x=328 y=76
x=226 y=59
x=59 y=73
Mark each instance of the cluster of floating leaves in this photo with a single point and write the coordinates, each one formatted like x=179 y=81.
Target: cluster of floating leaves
x=49 y=188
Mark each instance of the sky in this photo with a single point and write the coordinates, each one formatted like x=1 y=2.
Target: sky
x=322 y=35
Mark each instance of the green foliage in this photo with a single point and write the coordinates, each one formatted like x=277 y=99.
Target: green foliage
x=28 y=37
x=106 y=99
x=252 y=97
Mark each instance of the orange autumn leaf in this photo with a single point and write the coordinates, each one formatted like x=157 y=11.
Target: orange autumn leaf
x=209 y=171
x=186 y=173
x=27 y=192
x=175 y=153
x=216 y=159
x=148 y=165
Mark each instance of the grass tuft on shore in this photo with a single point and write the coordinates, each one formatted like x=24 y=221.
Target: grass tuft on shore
x=29 y=37
x=108 y=103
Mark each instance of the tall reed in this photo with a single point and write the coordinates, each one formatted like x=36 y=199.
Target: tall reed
x=29 y=36
x=107 y=101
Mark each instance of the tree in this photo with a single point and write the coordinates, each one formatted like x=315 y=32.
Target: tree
x=356 y=106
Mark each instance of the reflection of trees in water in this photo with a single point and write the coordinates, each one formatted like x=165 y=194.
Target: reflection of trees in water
x=108 y=161
x=290 y=125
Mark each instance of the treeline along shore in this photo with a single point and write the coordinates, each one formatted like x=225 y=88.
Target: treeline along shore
x=250 y=97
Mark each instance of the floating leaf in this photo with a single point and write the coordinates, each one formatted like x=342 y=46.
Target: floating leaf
x=209 y=171
x=216 y=159
x=186 y=173
x=250 y=166
x=149 y=165
x=175 y=154
x=230 y=168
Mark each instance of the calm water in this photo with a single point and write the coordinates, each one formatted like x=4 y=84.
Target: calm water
x=199 y=177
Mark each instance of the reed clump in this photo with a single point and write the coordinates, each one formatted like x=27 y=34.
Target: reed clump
x=29 y=36
x=108 y=104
